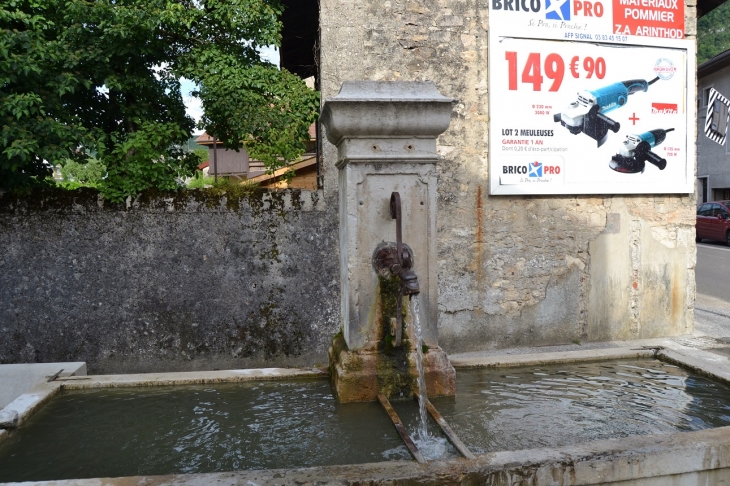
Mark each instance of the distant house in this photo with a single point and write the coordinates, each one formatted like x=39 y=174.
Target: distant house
x=713 y=160
x=239 y=165
x=305 y=175
x=228 y=163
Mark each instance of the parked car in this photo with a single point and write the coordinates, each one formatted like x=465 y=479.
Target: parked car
x=713 y=221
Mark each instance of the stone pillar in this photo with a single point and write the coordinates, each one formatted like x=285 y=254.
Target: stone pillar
x=385 y=133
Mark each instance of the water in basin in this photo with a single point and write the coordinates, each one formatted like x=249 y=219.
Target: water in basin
x=186 y=429
x=550 y=406
x=190 y=429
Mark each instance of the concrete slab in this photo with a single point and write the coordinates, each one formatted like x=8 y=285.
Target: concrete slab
x=32 y=400
x=704 y=362
x=16 y=379
x=578 y=356
x=188 y=378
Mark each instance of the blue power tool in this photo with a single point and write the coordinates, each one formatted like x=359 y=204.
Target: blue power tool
x=587 y=114
x=636 y=151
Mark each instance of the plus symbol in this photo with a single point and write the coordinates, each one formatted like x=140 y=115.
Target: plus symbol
x=633 y=118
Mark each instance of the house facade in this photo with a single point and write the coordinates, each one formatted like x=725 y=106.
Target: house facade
x=713 y=159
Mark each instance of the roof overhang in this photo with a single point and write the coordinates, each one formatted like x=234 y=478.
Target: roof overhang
x=713 y=65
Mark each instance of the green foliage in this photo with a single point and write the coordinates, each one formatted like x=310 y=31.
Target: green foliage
x=267 y=111
x=224 y=184
x=145 y=159
x=102 y=77
x=202 y=153
x=200 y=181
x=713 y=33
x=89 y=174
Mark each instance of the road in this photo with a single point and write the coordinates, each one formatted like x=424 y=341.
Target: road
x=712 y=309
x=713 y=270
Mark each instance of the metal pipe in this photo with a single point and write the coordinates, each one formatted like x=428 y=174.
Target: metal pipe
x=395 y=213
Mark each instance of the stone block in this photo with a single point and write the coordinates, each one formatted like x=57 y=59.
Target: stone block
x=358 y=376
x=8 y=419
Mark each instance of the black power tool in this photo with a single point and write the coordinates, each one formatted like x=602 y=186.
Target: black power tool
x=636 y=151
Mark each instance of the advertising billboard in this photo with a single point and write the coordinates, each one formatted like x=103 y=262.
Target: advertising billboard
x=590 y=97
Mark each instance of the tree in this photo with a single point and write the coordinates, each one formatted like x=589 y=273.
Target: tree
x=100 y=78
x=713 y=33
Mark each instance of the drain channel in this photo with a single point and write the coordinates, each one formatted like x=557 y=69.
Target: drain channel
x=448 y=431
x=401 y=429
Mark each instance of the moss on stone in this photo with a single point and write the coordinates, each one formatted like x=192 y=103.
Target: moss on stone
x=388 y=288
x=233 y=197
x=394 y=378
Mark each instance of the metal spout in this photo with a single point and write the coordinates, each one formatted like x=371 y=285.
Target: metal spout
x=409 y=282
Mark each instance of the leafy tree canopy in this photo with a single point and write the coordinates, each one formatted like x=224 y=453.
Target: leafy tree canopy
x=100 y=78
x=713 y=33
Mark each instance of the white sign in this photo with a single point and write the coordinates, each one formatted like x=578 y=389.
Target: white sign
x=590 y=97
x=718 y=117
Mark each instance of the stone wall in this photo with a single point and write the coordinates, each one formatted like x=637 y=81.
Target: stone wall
x=514 y=270
x=204 y=281
x=170 y=282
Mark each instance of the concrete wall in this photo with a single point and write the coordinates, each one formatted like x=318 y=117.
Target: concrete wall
x=713 y=160
x=176 y=282
x=514 y=270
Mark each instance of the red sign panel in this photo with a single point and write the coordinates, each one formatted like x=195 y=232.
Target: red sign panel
x=664 y=108
x=649 y=18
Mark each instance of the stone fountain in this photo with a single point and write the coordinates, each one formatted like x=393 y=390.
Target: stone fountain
x=385 y=133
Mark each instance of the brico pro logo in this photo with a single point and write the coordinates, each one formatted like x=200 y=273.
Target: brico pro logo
x=664 y=109
x=535 y=171
x=557 y=9
x=554 y=9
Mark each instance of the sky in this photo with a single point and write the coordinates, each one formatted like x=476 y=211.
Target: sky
x=193 y=104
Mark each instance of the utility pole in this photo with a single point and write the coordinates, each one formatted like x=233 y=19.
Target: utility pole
x=215 y=158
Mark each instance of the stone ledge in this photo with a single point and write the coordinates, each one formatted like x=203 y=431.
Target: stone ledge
x=188 y=378
x=701 y=457
x=506 y=361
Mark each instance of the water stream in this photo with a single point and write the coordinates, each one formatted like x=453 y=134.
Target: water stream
x=432 y=446
x=422 y=396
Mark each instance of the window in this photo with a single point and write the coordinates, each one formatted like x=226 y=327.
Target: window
x=718 y=115
x=706 y=96
x=704 y=210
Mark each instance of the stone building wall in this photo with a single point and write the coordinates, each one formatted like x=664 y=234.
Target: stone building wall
x=514 y=270
x=171 y=282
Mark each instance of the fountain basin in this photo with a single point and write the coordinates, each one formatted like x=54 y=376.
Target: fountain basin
x=698 y=454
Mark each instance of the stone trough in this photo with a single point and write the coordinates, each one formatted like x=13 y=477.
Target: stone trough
x=683 y=458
